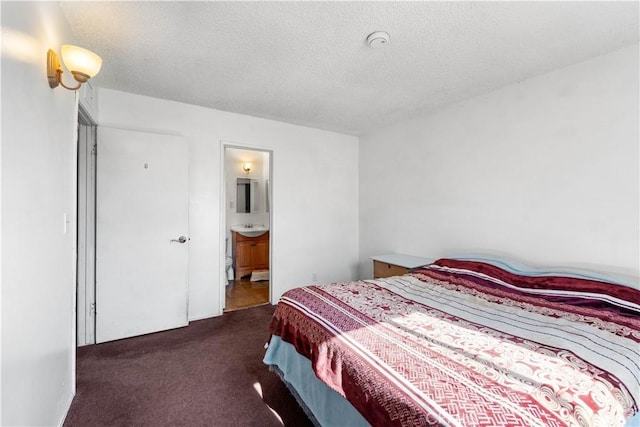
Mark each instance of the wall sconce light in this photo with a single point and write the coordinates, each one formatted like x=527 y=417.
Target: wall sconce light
x=246 y=168
x=82 y=63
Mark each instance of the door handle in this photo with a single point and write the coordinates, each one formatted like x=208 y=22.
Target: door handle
x=180 y=239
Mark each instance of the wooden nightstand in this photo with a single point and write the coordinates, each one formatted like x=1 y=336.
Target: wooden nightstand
x=396 y=264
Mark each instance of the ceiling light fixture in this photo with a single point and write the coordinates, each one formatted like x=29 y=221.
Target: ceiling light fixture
x=82 y=63
x=378 y=39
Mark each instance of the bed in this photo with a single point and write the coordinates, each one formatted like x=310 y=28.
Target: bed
x=462 y=343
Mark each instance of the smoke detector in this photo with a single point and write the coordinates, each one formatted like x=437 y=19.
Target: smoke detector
x=378 y=39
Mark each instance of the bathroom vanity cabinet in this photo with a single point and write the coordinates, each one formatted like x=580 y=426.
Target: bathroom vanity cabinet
x=250 y=253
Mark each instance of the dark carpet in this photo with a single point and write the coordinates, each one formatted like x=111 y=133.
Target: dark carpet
x=207 y=374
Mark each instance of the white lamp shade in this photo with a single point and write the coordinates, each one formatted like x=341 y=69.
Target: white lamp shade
x=80 y=60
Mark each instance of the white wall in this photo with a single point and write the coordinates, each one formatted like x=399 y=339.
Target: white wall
x=545 y=171
x=38 y=187
x=315 y=192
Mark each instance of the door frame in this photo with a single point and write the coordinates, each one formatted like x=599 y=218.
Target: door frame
x=224 y=144
x=86 y=156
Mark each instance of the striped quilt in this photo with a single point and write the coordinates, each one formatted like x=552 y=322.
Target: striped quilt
x=464 y=343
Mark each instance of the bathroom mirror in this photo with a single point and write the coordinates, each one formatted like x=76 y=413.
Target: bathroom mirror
x=246 y=195
x=266 y=195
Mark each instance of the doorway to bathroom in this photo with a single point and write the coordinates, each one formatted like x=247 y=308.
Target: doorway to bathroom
x=247 y=226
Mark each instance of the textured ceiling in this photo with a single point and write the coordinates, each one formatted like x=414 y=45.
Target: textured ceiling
x=308 y=62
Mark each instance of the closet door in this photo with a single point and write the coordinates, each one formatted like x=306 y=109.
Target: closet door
x=141 y=233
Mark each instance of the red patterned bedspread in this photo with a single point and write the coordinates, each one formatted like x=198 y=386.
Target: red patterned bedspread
x=448 y=345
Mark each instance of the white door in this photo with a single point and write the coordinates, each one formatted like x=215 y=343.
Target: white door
x=141 y=233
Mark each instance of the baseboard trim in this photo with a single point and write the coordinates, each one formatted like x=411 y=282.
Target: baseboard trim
x=66 y=412
x=206 y=316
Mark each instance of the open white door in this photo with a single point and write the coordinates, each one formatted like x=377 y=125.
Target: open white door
x=141 y=233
